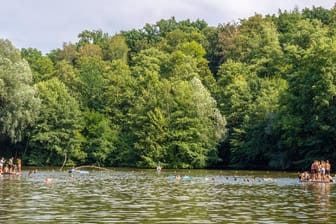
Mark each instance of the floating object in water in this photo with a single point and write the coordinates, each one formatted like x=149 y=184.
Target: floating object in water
x=171 y=177
x=186 y=178
x=268 y=179
x=74 y=171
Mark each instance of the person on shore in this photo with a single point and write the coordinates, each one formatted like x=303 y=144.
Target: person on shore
x=327 y=167
x=317 y=169
x=323 y=170
x=6 y=169
x=313 y=169
x=18 y=162
x=320 y=171
x=304 y=177
x=2 y=163
x=11 y=164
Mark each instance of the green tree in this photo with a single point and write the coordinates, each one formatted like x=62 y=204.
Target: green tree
x=197 y=52
x=119 y=97
x=90 y=72
x=147 y=118
x=42 y=67
x=178 y=37
x=100 y=138
x=212 y=119
x=234 y=94
x=19 y=104
x=319 y=13
x=66 y=73
x=90 y=50
x=97 y=37
x=254 y=140
x=188 y=143
x=68 y=53
x=307 y=108
x=255 y=42
x=286 y=23
x=211 y=35
x=116 y=49
x=55 y=138
x=225 y=47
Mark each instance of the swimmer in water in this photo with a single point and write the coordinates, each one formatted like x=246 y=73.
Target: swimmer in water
x=48 y=180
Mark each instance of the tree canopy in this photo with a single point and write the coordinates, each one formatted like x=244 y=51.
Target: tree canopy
x=259 y=93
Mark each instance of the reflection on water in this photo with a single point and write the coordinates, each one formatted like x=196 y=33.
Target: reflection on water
x=144 y=196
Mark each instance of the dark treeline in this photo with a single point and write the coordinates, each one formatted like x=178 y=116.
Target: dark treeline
x=256 y=94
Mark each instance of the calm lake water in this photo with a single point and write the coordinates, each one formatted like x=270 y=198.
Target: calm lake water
x=144 y=196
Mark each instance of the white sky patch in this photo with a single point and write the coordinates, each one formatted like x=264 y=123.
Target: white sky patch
x=47 y=24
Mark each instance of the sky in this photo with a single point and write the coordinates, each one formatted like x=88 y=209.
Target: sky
x=47 y=24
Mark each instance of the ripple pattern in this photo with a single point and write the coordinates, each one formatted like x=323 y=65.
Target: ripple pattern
x=143 y=196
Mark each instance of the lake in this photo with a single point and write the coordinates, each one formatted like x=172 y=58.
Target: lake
x=145 y=196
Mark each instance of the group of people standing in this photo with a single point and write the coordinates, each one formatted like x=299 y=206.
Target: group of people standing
x=319 y=171
x=9 y=166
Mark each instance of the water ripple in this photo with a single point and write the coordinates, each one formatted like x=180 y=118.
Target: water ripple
x=124 y=196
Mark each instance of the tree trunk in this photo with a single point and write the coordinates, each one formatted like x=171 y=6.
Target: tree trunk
x=65 y=159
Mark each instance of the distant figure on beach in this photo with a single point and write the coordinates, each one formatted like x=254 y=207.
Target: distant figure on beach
x=2 y=162
x=18 y=162
x=11 y=164
x=327 y=167
x=6 y=169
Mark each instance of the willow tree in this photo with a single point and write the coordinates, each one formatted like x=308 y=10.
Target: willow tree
x=19 y=105
x=195 y=126
x=213 y=121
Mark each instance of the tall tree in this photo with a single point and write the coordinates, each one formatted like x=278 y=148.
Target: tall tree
x=91 y=70
x=116 y=49
x=254 y=141
x=100 y=138
x=308 y=107
x=119 y=97
x=56 y=138
x=41 y=66
x=97 y=37
x=66 y=73
x=148 y=119
x=19 y=104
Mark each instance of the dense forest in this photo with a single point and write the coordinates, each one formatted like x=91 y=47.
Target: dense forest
x=259 y=93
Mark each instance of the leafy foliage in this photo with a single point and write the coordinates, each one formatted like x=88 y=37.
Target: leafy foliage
x=255 y=94
x=56 y=135
x=19 y=105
